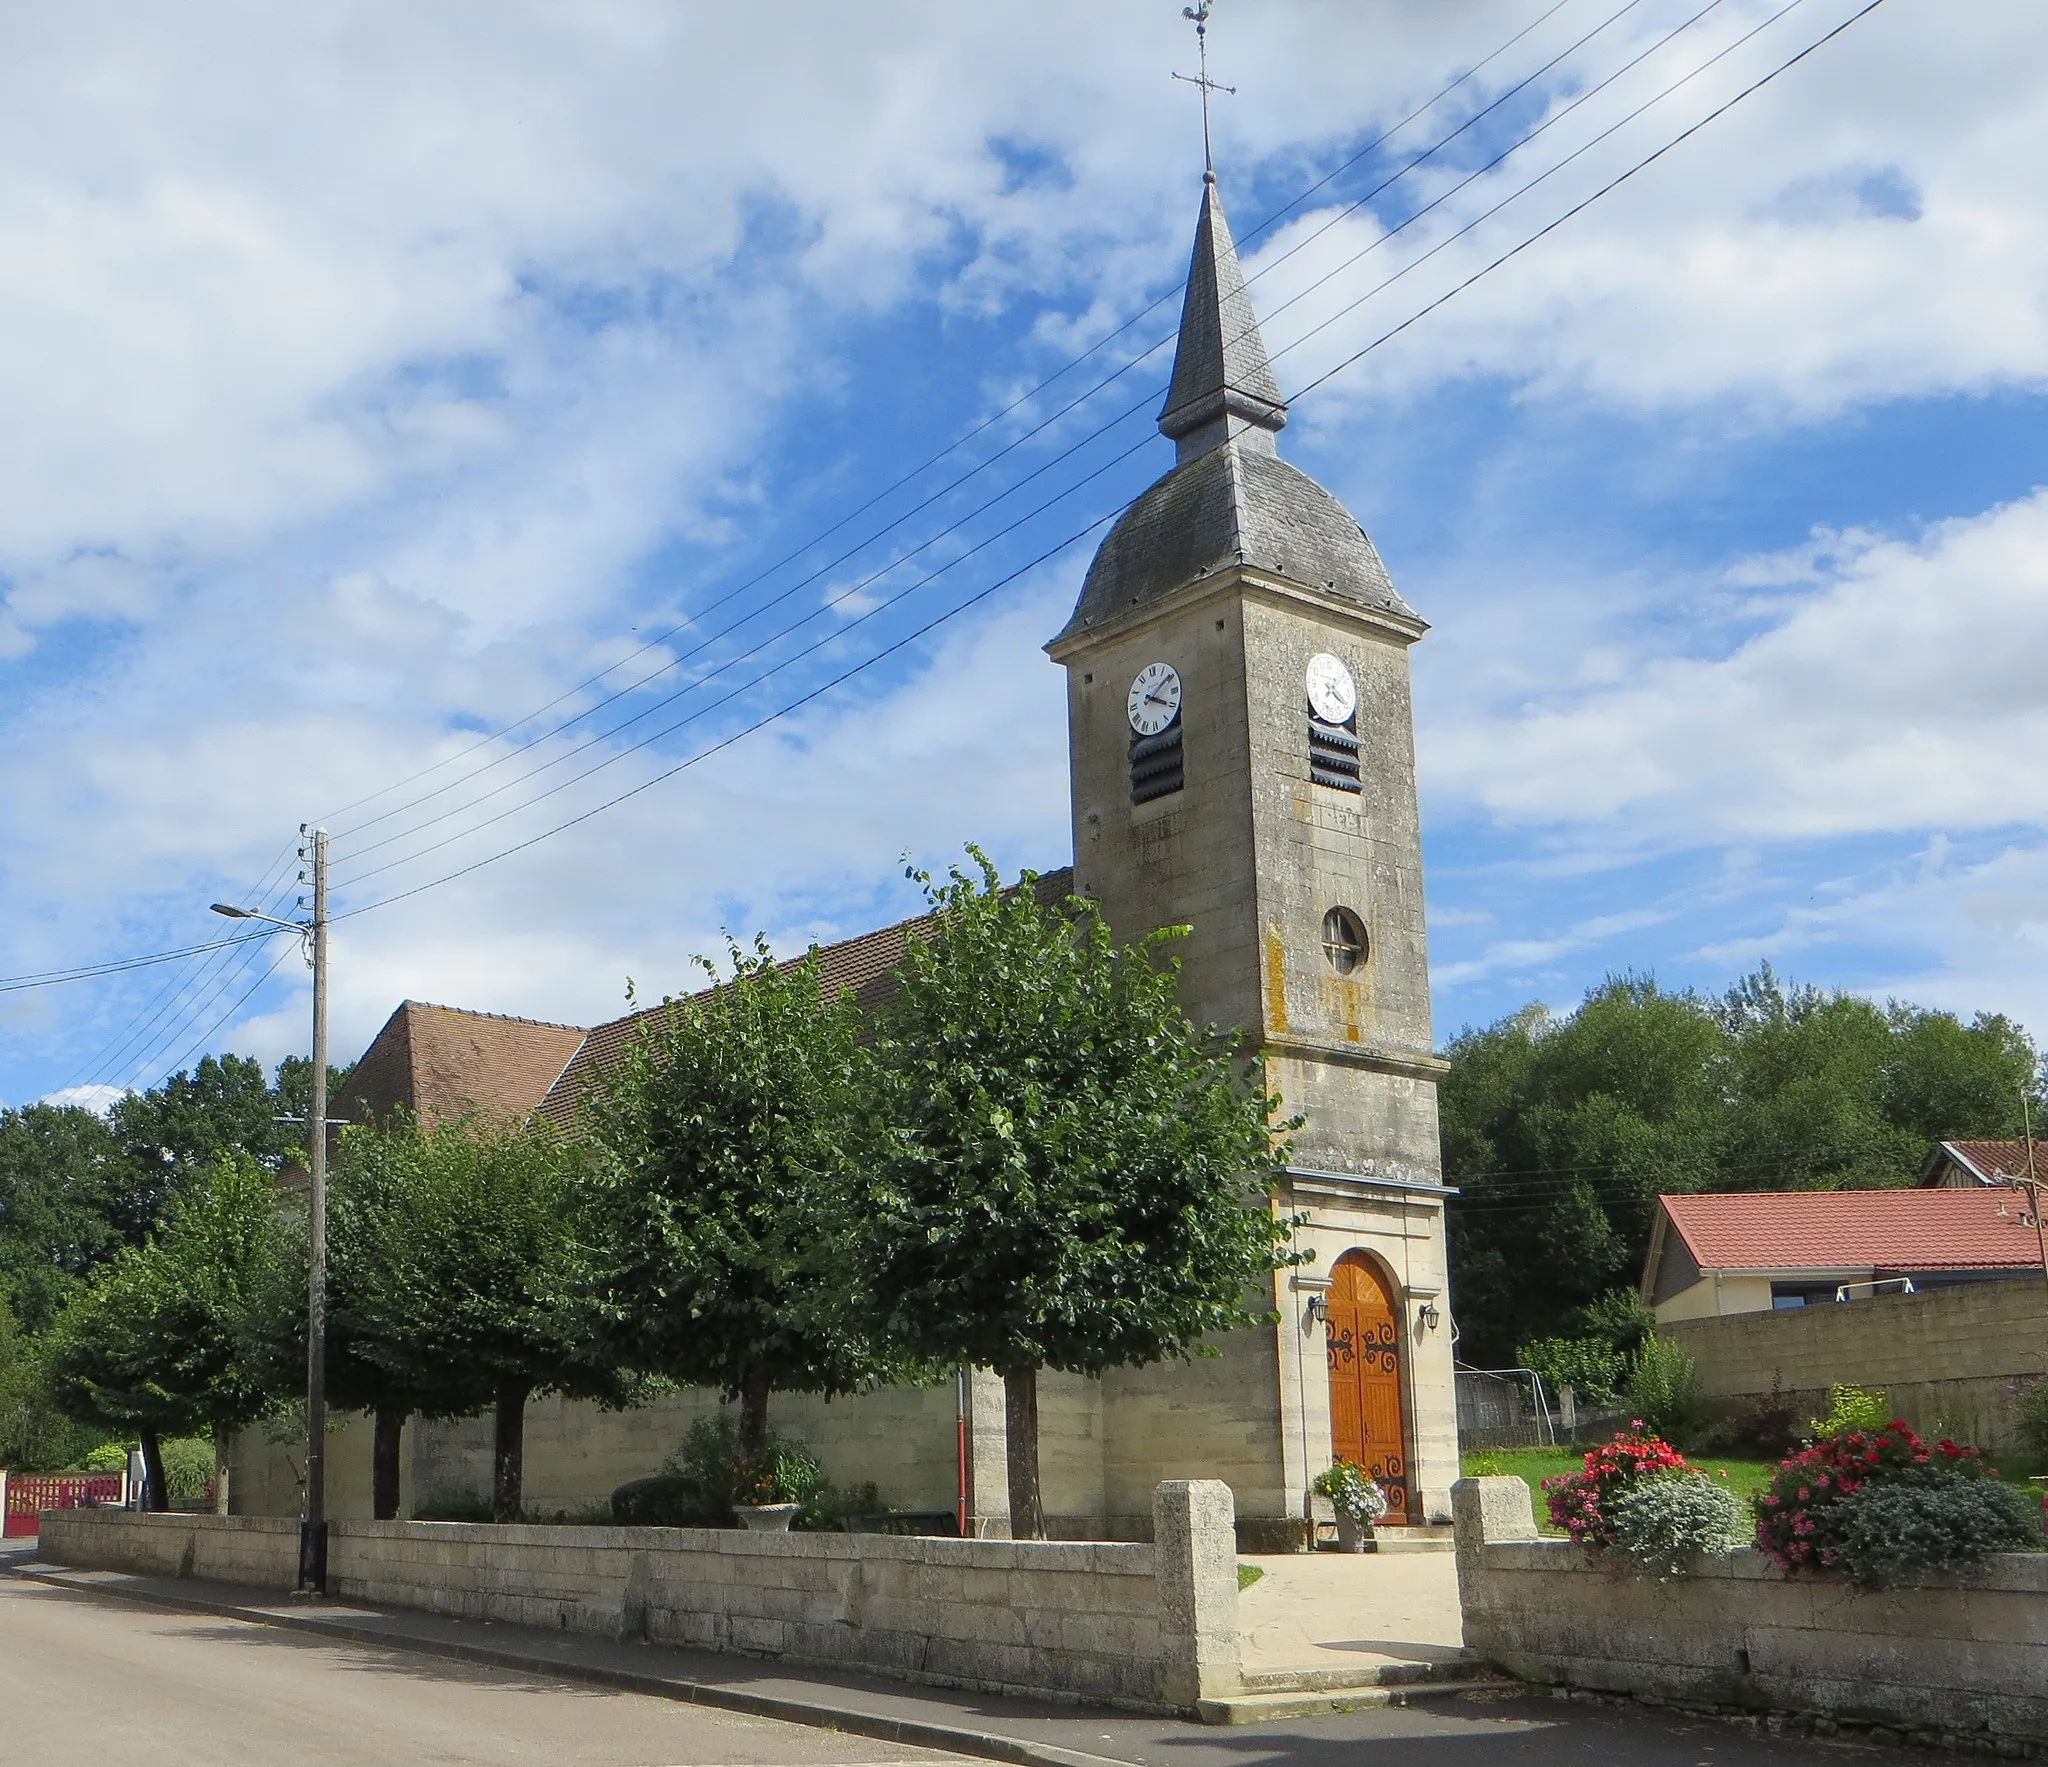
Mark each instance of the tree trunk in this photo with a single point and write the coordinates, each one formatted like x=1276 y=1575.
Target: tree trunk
x=223 y=1452
x=155 y=1488
x=754 y=1410
x=508 y=1457
x=1020 y=1426
x=387 y=1432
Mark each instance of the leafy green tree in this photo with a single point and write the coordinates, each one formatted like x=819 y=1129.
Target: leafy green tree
x=463 y=1278
x=34 y=1435
x=728 y=1134
x=64 y=1206
x=1072 y=1176
x=160 y=1343
x=1560 y=1134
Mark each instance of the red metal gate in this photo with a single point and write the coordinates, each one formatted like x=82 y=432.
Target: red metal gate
x=28 y=1494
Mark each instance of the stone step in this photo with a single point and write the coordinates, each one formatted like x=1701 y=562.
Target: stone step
x=1353 y=1677
x=1422 y=1537
x=1261 y=1708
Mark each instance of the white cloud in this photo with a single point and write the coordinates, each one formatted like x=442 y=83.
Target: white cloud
x=1899 y=692
x=99 y=1099
x=1862 y=230
x=359 y=359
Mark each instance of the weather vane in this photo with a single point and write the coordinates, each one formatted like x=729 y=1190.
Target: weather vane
x=1199 y=13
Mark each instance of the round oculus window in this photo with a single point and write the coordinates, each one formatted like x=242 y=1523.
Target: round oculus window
x=1344 y=942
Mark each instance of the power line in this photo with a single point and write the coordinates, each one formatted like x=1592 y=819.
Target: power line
x=823 y=570
x=592 y=739
x=952 y=613
x=264 y=898
x=1026 y=397
x=1614 y=184
x=51 y=978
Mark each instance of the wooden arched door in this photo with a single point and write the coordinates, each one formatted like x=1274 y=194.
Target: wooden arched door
x=1363 y=1329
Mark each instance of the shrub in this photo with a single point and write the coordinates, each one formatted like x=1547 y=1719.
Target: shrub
x=1664 y=1386
x=2033 y=1416
x=709 y=1475
x=1592 y=1367
x=108 y=1457
x=1761 y=1428
x=188 y=1467
x=1853 y=1408
x=1900 y=1533
x=1799 y=1514
x=1350 y=1488
x=664 y=1501
x=1582 y=1503
x=1664 y=1524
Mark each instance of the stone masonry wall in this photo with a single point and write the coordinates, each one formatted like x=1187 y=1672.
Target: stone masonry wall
x=1951 y=1360
x=1151 y=1627
x=1962 y=1658
x=258 y=1550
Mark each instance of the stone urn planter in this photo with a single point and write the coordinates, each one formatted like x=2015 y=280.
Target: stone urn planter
x=1354 y=1533
x=768 y=1518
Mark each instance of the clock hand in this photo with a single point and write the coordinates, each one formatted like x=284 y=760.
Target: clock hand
x=1157 y=701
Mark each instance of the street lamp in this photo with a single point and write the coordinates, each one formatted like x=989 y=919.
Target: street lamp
x=313 y=1528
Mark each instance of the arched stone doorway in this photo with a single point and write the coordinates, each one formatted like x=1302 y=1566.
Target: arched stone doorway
x=1363 y=1332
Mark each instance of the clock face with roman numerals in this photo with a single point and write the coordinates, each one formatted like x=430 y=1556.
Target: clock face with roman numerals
x=1332 y=694
x=1155 y=698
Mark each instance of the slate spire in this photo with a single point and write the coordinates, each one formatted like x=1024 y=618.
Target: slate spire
x=1223 y=387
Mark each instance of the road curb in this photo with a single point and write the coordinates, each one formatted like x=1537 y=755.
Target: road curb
x=985 y=1745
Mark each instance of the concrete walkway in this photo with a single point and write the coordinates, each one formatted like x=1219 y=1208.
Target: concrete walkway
x=1341 y=1617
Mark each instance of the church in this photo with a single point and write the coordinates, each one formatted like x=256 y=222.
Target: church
x=1241 y=747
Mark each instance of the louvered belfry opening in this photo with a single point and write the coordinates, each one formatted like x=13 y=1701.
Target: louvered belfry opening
x=1333 y=752
x=1156 y=764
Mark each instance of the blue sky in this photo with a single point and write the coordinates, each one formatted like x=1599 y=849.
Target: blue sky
x=378 y=377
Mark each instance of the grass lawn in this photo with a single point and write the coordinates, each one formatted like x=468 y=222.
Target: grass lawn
x=1534 y=1465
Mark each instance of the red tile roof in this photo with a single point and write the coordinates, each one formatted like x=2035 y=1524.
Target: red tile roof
x=440 y=1061
x=1854 y=1229
x=861 y=964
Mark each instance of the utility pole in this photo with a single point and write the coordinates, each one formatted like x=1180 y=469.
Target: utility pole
x=2033 y=1184
x=313 y=1530
x=313 y=936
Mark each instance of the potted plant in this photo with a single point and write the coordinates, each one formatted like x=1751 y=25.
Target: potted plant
x=769 y=1490
x=1357 y=1500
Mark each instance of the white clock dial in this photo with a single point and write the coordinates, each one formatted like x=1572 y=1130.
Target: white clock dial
x=1155 y=698
x=1332 y=694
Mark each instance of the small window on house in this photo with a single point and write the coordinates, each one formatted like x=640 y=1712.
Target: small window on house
x=1344 y=945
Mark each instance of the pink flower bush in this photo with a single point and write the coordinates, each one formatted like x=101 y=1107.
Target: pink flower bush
x=1582 y=1502
x=1795 y=1514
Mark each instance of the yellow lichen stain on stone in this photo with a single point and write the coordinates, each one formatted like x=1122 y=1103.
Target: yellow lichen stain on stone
x=1276 y=981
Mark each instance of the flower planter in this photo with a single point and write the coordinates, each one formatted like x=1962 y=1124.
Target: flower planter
x=768 y=1518
x=1354 y=1534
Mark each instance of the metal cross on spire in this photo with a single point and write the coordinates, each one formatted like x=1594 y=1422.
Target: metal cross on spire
x=1199 y=13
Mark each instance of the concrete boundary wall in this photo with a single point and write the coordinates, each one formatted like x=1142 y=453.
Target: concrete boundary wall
x=1950 y=1360
x=1966 y=1658
x=1152 y=1627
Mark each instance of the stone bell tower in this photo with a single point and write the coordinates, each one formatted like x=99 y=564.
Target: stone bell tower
x=1243 y=761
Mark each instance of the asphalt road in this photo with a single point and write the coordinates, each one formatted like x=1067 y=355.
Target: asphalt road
x=89 y=1679
x=86 y=1681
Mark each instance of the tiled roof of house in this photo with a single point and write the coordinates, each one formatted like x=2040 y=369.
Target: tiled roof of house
x=1989 y=1162
x=441 y=1061
x=1854 y=1229
x=861 y=964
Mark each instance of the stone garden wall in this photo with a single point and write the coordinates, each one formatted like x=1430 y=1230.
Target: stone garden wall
x=1951 y=1360
x=1964 y=1658
x=1147 y=1626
